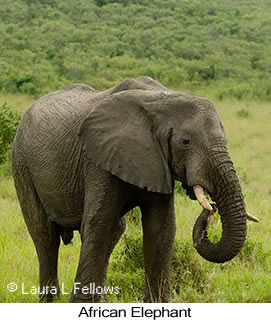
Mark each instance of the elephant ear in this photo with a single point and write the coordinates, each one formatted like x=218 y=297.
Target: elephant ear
x=118 y=136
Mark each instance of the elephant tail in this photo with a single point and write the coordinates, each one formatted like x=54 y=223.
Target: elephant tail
x=66 y=235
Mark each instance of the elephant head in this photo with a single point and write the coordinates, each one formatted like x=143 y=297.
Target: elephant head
x=152 y=138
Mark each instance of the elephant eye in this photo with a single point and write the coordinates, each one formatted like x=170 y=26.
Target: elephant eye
x=186 y=142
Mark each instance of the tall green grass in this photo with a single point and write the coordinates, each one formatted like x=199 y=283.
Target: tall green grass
x=244 y=279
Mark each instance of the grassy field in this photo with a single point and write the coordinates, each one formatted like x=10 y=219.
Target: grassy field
x=244 y=279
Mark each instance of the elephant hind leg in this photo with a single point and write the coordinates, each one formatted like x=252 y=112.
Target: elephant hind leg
x=44 y=233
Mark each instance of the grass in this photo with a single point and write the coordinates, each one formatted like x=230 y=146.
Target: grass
x=244 y=279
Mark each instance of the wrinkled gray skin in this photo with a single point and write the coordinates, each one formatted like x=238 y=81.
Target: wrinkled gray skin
x=82 y=159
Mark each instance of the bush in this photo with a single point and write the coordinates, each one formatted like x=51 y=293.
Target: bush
x=101 y=42
x=179 y=190
x=187 y=271
x=127 y=267
x=253 y=253
x=8 y=125
x=243 y=113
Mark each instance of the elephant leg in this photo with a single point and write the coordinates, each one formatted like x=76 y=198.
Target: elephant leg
x=44 y=234
x=158 y=220
x=100 y=231
x=116 y=237
x=48 y=263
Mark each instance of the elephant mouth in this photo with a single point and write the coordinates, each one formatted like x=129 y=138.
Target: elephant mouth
x=197 y=192
x=182 y=178
x=189 y=191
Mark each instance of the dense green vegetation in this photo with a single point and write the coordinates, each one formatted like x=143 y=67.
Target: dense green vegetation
x=9 y=121
x=190 y=44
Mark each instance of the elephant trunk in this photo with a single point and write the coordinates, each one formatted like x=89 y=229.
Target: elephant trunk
x=230 y=203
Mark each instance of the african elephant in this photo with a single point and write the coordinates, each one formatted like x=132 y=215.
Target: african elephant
x=82 y=159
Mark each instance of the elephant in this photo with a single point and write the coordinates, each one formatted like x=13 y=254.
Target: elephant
x=83 y=158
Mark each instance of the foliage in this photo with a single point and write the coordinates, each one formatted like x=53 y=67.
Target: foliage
x=179 y=189
x=189 y=45
x=187 y=271
x=243 y=113
x=253 y=253
x=8 y=125
x=127 y=266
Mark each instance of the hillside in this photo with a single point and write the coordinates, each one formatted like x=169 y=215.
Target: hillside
x=191 y=44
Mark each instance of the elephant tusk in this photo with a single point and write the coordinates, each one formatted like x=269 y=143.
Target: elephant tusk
x=198 y=190
x=253 y=218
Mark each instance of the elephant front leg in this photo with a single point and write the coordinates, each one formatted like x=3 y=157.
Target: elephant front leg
x=158 y=219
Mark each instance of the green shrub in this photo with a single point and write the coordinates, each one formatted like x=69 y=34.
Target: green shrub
x=127 y=268
x=243 y=113
x=132 y=253
x=179 y=189
x=8 y=125
x=187 y=271
x=220 y=44
x=133 y=217
x=5 y=166
x=253 y=253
